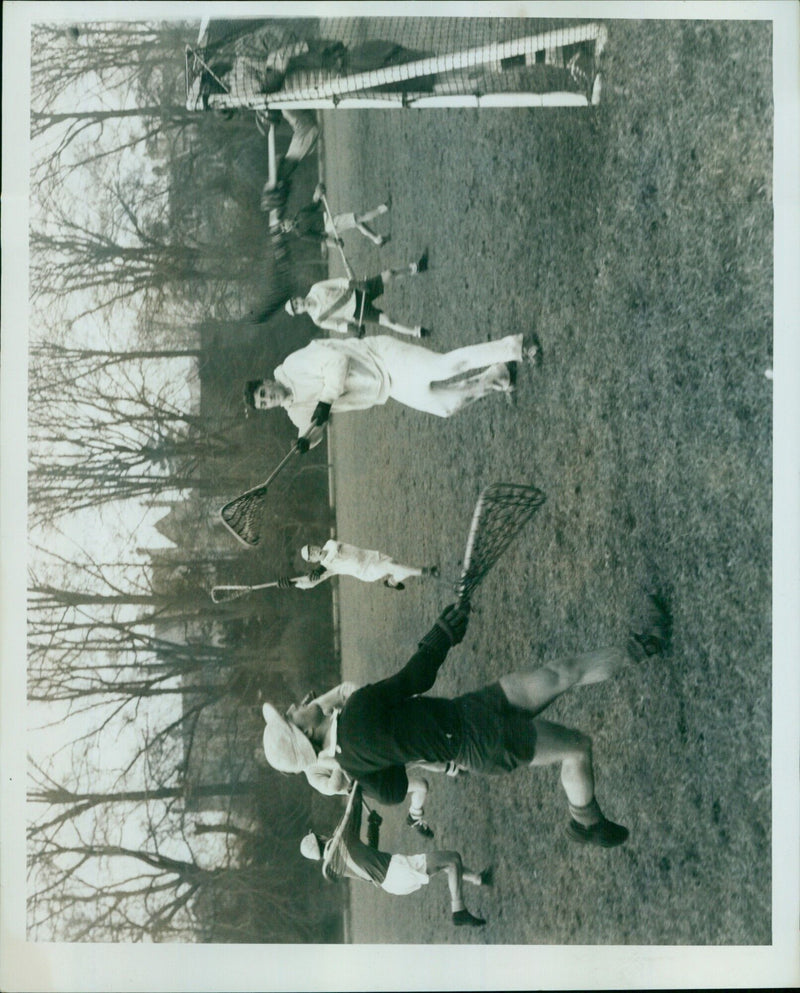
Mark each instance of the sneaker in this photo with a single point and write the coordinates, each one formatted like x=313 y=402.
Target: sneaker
x=657 y=624
x=420 y=826
x=393 y=586
x=422 y=264
x=464 y=918
x=382 y=240
x=512 y=373
x=487 y=876
x=430 y=570
x=532 y=349
x=604 y=834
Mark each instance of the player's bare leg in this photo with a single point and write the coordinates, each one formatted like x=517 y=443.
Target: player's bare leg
x=412 y=269
x=450 y=863
x=573 y=750
x=418 y=794
x=535 y=689
x=370 y=215
x=362 y=224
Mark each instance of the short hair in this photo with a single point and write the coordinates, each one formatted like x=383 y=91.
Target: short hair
x=250 y=388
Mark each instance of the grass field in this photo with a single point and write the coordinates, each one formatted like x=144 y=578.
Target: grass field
x=636 y=239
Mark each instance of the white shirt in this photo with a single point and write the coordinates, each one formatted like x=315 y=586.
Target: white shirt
x=331 y=304
x=349 y=374
x=326 y=775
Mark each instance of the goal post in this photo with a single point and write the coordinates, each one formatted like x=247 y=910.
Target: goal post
x=400 y=62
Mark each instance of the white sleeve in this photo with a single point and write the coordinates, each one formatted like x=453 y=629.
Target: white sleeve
x=327 y=776
x=333 y=369
x=337 y=697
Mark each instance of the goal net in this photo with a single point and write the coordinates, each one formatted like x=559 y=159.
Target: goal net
x=308 y=63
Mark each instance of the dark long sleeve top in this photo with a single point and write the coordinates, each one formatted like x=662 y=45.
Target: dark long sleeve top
x=309 y=223
x=387 y=724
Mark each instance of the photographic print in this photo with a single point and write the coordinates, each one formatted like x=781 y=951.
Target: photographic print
x=402 y=469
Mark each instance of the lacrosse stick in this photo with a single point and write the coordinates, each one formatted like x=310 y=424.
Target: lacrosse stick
x=502 y=510
x=241 y=516
x=350 y=274
x=334 y=860
x=224 y=594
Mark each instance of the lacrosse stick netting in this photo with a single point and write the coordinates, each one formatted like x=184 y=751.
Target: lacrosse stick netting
x=502 y=511
x=243 y=516
x=334 y=861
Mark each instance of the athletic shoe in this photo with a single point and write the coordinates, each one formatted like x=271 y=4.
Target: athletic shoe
x=422 y=264
x=393 y=586
x=604 y=834
x=382 y=240
x=420 y=826
x=421 y=332
x=532 y=349
x=487 y=876
x=430 y=570
x=654 y=637
x=464 y=917
x=512 y=373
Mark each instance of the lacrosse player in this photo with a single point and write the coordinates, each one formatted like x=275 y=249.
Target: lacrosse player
x=291 y=750
x=336 y=558
x=337 y=375
x=386 y=725
x=312 y=224
x=396 y=874
x=344 y=305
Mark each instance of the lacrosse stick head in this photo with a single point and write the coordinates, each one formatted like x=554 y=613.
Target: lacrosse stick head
x=242 y=516
x=502 y=511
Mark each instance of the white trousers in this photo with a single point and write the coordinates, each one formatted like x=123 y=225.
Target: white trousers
x=425 y=380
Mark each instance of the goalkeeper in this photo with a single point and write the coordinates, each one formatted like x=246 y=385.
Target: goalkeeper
x=385 y=725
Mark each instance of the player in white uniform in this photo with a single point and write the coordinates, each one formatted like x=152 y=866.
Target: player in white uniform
x=336 y=558
x=344 y=305
x=401 y=874
x=337 y=375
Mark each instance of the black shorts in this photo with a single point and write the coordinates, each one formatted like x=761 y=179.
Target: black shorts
x=370 y=289
x=497 y=736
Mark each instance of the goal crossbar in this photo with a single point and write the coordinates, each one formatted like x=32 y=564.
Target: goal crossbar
x=332 y=92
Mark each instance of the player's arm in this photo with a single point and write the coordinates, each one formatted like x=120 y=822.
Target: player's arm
x=314 y=578
x=337 y=697
x=328 y=777
x=419 y=674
